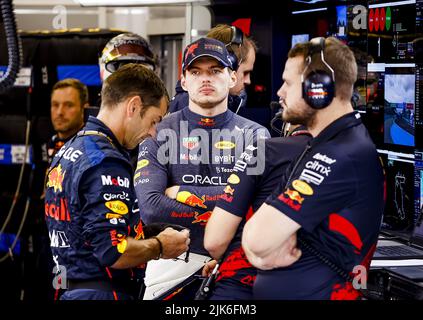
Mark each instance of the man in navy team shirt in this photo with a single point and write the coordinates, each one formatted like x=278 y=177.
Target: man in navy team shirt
x=246 y=192
x=330 y=200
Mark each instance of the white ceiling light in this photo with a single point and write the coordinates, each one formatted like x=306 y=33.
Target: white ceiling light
x=120 y=3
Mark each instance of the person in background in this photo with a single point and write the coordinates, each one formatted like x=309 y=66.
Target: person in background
x=330 y=200
x=69 y=98
x=123 y=49
x=242 y=52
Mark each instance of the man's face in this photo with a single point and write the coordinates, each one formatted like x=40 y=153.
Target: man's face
x=67 y=114
x=296 y=110
x=207 y=82
x=140 y=128
x=243 y=73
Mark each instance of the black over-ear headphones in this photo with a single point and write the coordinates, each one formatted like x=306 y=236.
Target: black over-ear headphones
x=237 y=38
x=318 y=86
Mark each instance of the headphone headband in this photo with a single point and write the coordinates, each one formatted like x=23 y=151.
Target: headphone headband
x=237 y=38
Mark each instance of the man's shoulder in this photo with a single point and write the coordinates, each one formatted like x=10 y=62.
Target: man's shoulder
x=96 y=149
x=284 y=144
x=170 y=121
x=244 y=123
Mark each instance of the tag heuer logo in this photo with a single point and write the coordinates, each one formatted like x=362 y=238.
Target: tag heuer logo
x=190 y=142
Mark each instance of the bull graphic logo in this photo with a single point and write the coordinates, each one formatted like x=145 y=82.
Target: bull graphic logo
x=55 y=178
x=191 y=199
x=207 y=122
x=202 y=218
x=294 y=195
x=139 y=231
x=190 y=50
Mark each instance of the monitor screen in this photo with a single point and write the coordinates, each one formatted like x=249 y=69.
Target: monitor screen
x=399 y=96
x=299 y=38
x=341 y=22
x=391 y=31
x=418 y=108
x=399 y=215
x=418 y=189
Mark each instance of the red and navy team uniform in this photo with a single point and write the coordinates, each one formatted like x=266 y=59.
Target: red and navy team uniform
x=336 y=194
x=89 y=213
x=189 y=152
x=245 y=194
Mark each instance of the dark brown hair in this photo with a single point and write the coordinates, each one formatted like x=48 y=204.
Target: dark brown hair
x=133 y=80
x=339 y=56
x=76 y=84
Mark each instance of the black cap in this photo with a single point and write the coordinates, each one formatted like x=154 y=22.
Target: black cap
x=206 y=47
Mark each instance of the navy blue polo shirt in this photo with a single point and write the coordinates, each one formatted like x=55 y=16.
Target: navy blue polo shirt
x=246 y=192
x=336 y=194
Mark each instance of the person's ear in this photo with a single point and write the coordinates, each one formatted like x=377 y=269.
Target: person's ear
x=133 y=106
x=233 y=80
x=183 y=82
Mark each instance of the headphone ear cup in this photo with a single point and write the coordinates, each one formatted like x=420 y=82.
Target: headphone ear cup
x=233 y=60
x=318 y=89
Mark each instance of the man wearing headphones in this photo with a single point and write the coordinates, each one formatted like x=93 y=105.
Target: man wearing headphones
x=330 y=200
x=242 y=53
x=249 y=189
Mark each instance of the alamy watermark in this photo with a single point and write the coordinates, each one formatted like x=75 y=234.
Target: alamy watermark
x=60 y=19
x=244 y=148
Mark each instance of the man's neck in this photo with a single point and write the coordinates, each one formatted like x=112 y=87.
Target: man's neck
x=113 y=121
x=209 y=112
x=68 y=134
x=326 y=116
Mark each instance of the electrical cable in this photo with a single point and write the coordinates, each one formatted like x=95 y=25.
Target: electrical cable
x=14 y=46
x=16 y=197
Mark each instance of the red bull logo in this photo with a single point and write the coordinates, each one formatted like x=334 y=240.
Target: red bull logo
x=207 y=122
x=294 y=195
x=292 y=198
x=229 y=190
x=55 y=178
x=202 y=218
x=59 y=212
x=118 y=240
x=233 y=263
x=227 y=198
x=139 y=231
x=191 y=199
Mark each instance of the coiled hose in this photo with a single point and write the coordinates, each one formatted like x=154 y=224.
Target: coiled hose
x=14 y=48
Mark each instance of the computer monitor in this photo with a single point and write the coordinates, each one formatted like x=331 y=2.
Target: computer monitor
x=391 y=31
x=341 y=22
x=299 y=38
x=399 y=215
x=418 y=187
x=399 y=112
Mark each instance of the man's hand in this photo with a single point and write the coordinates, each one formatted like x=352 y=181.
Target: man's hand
x=174 y=243
x=208 y=268
x=285 y=256
x=172 y=192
